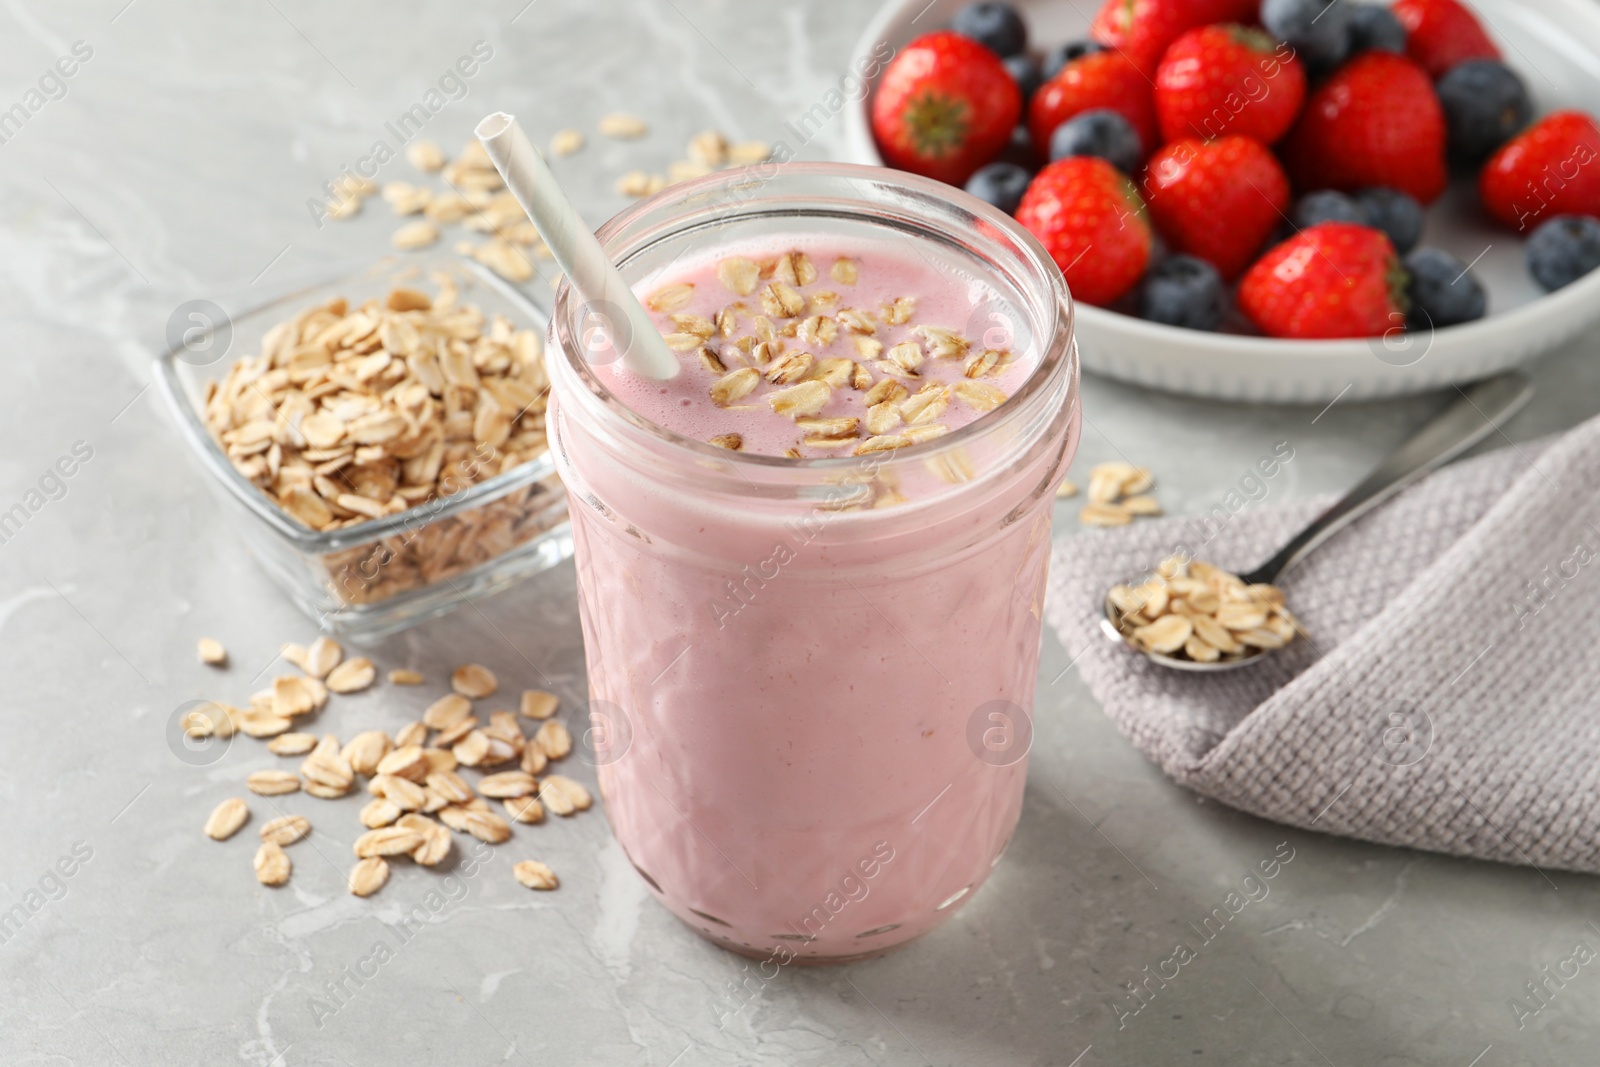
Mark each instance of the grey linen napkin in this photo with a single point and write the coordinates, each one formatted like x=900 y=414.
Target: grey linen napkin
x=1448 y=696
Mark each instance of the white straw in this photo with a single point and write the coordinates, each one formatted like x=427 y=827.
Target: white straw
x=597 y=282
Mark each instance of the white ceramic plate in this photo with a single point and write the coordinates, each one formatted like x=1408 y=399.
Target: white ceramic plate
x=1553 y=44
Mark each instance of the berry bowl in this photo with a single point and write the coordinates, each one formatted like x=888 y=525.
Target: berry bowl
x=1553 y=45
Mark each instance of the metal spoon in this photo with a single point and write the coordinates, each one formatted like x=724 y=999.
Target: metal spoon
x=1481 y=410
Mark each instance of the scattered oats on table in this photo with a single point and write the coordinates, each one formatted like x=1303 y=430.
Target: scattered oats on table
x=746 y=153
x=425 y=156
x=524 y=809
x=508 y=784
x=387 y=841
x=380 y=811
x=212 y=719
x=408 y=762
x=415 y=235
x=709 y=148
x=635 y=183
x=406 y=199
x=447 y=712
x=411 y=735
x=535 y=875
x=564 y=796
x=474 y=681
x=472 y=171
x=226 y=819
x=293 y=695
x=272 y=783
x=286 y=829
x=682 y=170
x=435 y=839
x=505 y=259
x=212 y=653
x=554 y=739
x=537 y=704
x=352 y=675
x=1117 y=494
x=1096 y=514
x=366 y=750
x=272 y=864
x=623 y=126
x=416 y=794
x=318 y=658
x=566 y=142
x=368 y=876
x=346 y=208
x=263 y=724
x=354 y=185
x=487 y=827
x=292 y=744
x=448 y=208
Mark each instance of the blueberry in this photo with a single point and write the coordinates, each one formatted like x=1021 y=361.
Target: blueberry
x=1395 y=213
x=1564 y=250
x=1443 y=291
x=1000 y=184
x=997 y=27
x=1020 y=150
x=1024 y=70
x=1100 y=132
x=1319 y=30
x=1326 y=206
x=1183 y=291
x=1375 y=29
x=1485 y=105
x=1062 y=54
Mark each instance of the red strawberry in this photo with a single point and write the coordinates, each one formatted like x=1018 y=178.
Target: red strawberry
x=1219 y=200
x=1090 y=219
x=1443 y=33
x=1335 y=279
x=945 y=107
x=1550 y=169
x=1099 y=80
x=1228 y=79
x=1142 y=29
x=1376 y=121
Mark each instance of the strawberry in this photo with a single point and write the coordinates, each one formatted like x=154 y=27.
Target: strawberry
x=1228 y=79
x=1218 y=200
x=1090 y=219
x=1376 y=121
x=1142 y=29
x=1550 y=169
x=944 y=107
x=1097 y=80
x=1443 y=33
x=1335 y=279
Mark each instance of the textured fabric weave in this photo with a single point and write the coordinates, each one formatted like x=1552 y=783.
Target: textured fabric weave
x=1447 y=696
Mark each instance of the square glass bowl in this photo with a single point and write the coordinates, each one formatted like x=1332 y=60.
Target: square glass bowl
x=384 y=574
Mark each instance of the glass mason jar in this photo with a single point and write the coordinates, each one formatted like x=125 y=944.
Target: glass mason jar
x=812 y=679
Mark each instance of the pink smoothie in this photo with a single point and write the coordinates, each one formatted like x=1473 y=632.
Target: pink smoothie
x=817 y=730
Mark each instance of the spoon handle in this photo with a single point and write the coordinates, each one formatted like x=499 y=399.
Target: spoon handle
x=1480 y=411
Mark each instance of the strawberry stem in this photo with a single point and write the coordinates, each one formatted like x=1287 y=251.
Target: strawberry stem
x=938 y=124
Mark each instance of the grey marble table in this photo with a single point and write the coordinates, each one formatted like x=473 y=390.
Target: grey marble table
x=177 y=160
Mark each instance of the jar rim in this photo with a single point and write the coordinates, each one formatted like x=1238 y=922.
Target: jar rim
x=1050 y=295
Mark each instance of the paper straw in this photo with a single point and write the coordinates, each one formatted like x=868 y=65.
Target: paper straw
x=598 y=284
